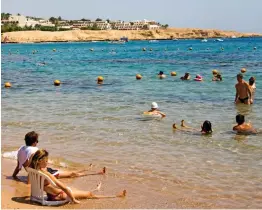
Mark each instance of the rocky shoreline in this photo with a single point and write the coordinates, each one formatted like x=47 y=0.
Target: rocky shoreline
x=112 y=35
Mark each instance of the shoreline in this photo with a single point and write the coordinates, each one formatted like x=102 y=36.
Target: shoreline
x=16 y=194
x=103 y=35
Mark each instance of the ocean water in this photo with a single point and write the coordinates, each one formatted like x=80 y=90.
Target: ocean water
x=81 y=122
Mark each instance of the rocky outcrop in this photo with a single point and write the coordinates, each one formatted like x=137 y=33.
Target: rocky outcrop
x=90 y=35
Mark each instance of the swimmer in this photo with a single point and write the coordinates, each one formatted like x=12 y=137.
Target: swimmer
x=206 y=127
x=185 y=77
x=155 y=111
x=217 y=77
x=161 y=75
x=242 y=126
x=198 y=78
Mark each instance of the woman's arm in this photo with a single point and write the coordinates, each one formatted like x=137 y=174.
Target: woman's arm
x=61 y=185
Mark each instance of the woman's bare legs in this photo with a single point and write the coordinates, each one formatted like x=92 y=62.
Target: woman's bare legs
x=78 y=194
x=71 y=174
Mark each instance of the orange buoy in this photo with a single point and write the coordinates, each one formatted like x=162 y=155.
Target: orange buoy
x=138 y=76
x=243 y=70
x=100 y=79
x=173 y=73
x=8 y=85
x=57 y=83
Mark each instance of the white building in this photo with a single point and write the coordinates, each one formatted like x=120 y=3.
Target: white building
x=23 y=21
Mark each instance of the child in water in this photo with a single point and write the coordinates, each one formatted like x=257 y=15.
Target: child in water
x=206 y=127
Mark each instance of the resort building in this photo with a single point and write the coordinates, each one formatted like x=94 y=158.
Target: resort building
x=23 y=21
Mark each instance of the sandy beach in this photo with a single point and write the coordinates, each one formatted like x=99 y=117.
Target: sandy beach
x=108 y=35
x=16 y=194
x=81 y=122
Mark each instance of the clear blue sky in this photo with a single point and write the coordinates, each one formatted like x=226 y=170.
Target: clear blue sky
x=239 y=15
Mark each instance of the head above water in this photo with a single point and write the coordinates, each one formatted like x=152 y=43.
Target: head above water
x=31 y=138
x=154 y=105
x=240 y=119
x=207 y=127
x=161 y=73
x=251 y=80
x=240 y=77
x=39 y=159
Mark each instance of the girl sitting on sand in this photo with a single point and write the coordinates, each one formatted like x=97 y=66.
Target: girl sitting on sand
x=62 y=192
x=206 y=127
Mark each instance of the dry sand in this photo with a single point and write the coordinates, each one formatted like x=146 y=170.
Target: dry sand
x=89 y=35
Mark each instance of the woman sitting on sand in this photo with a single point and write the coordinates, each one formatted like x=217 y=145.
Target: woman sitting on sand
x=61 y=192
x=206 y=127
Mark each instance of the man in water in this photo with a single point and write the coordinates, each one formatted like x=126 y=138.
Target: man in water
x=243 y=127
x=243 y=92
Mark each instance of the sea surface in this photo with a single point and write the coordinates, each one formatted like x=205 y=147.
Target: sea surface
x=81 y=122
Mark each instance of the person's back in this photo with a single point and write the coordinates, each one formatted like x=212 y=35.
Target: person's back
x=242 y=126
x=155 y=111
x=25 y=152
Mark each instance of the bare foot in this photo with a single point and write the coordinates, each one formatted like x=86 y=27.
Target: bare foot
x=182 y=123
x=103 y=171
x=122 y=194
x=98 y=187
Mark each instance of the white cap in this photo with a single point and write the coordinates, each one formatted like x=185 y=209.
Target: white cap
x=154 y=105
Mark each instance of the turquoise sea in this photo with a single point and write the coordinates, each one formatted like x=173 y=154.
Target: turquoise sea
x=81 y=122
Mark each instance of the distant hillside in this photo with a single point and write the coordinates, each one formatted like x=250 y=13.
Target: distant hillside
x=88 y=35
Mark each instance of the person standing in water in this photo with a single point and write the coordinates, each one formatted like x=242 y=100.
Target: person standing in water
x=243 y=92
x=252 y=86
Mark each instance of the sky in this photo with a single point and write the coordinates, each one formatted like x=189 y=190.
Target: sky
x=237 y=15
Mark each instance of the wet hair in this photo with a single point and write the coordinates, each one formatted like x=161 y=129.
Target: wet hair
x=207 y=127
x=251 y=81
x=219 y=76
x=240 y=119
x=240 y=76
x=160 y=73
x=38 y=156
x=31 y=138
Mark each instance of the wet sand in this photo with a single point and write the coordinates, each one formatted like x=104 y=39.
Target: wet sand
x=16 y=194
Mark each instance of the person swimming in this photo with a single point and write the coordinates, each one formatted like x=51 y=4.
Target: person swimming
x=185 y=77
x=217 y=77
x=161 y=75
x=242 y=126
x=155 y=110
x=198 y=78
x=206 y=127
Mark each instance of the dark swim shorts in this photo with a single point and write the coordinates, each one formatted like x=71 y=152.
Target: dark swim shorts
x=54 y=172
